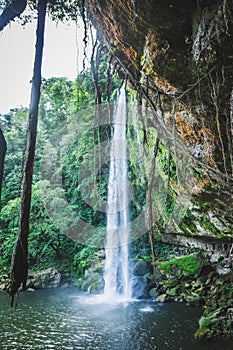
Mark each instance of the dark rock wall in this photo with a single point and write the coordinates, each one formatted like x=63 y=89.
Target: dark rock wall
x=179 y=55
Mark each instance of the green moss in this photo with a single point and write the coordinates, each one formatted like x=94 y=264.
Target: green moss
x=187 y=225
x=201 y=333
x=188 y=264
x=204 y=322
x=227 y=289
x=208 y=225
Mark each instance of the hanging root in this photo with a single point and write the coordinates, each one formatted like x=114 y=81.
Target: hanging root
x=168 y=175
x=83 y=15
x=109 y=78
x=3 y=148
x=19 y=270
x=150 y=187
x=95 y=62
x=214 y=91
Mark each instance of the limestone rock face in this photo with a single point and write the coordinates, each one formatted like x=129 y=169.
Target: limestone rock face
x=179 y=56
x=49 y=278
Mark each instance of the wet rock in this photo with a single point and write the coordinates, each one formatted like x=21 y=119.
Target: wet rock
x=153 y=293
x=200 y=290
x=49 y=278
x=208 y=281
x=161 y=298
x=187 y=285
x=205 y=270
x=139 y=288
x=230 y=313
x=4 y=281
x=215 y=257
x=193 y=300
x=141 y=268
x=223 y=271
x=175 y=269
x=172 y=292
x=197 y=284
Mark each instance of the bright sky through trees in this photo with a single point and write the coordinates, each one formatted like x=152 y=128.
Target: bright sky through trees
x=17 y=48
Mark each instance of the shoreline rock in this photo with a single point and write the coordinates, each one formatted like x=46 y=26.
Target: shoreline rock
x=49 y=278
x=211 y=289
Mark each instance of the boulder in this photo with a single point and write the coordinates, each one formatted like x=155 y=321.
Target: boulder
x=205 y=270
x=140 y=288
x=172 y=292
x=215 y=257
x=141 y=268
x=175 y=269
x=4 y=281
x=224 y=270
x=49 y=278
x=153 y=293
x=161 y=298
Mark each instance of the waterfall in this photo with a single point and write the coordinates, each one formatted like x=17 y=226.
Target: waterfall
x=117 y=274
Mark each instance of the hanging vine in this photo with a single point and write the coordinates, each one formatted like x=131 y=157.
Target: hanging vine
x=214 y=88
x=141 y=119
x=109 y=77
x=85 y=39
x=151 y=219
x=168 y=174
x=95 y=62
x=3 y=148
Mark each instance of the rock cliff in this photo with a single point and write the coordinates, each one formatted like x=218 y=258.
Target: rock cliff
x=178 y=55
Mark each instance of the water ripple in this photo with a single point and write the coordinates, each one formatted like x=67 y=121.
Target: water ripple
x=59 y=320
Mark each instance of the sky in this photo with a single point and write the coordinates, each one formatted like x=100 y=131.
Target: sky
x=62 y=57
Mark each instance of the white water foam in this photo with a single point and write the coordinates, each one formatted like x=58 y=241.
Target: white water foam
x=117 y=275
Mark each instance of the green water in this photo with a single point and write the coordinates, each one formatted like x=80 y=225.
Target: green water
x=69 y=319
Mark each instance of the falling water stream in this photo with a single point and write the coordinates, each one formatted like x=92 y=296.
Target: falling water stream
x=117 y=274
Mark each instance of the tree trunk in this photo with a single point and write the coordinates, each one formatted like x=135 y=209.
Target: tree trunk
x=3 y=148
x=14 y=9
x=19 y=267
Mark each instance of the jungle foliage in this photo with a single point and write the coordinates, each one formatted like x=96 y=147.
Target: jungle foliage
x=67 y=104
x=66 y=107
x=61 y=100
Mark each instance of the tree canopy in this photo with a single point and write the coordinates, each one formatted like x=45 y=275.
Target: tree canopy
x=58 y=10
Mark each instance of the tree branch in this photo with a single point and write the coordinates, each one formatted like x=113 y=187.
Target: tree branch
x=14 y=9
